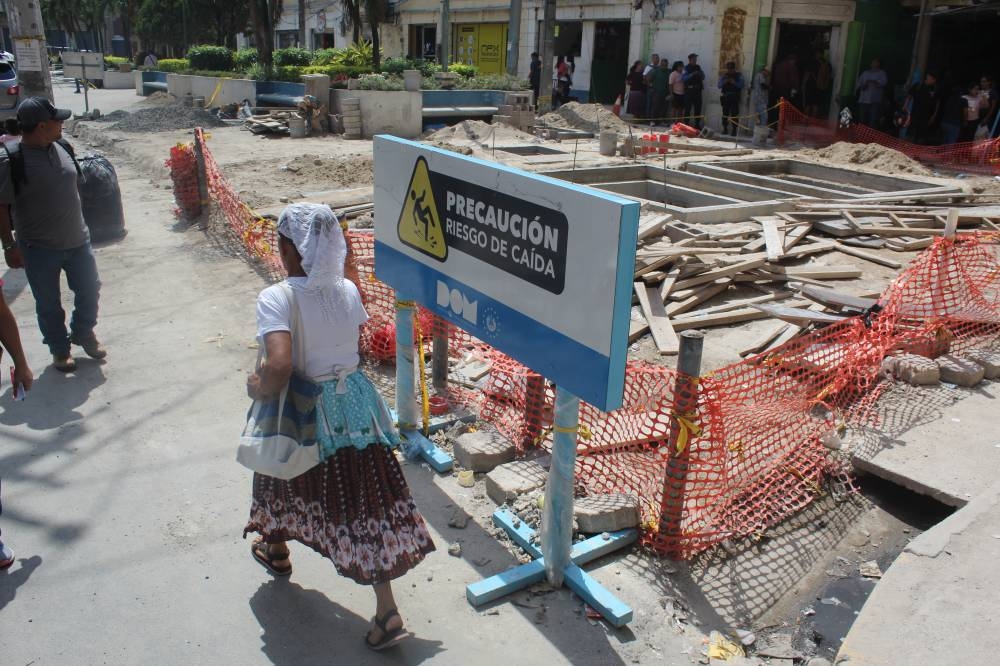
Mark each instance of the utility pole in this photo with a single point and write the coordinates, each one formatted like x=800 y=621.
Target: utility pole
x=514 y=37
x=544 y=102
x=302 y=25
x=28 y=34
x=444 y=36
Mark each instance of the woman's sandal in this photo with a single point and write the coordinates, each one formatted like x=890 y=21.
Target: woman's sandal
x=389 y=638
x=261 y=552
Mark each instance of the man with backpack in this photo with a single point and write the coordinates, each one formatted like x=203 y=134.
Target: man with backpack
x=694 y=82
x=40 y=204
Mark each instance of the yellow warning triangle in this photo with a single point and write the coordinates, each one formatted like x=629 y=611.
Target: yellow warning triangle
x=419 y=225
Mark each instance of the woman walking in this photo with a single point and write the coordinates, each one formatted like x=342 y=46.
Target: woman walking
x=354 y=508
x=636 y=84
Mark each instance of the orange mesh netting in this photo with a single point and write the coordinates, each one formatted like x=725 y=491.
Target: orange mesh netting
x=976 y=156
x=724 y=456
x=184 y=174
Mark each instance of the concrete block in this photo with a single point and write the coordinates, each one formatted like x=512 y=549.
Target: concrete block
x=606 y=513
x=913 y=369
x=990 y=360
x=960 y=371
x=483 y=450
x=508 y=481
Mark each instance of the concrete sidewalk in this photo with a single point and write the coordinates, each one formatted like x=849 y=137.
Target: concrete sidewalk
x=937 y=603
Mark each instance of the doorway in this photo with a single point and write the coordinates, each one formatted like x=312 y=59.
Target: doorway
x=802 y=72
x=610 y=64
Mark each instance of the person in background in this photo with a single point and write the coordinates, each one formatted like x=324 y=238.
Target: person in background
x=677 y=90
x=562 y=82
x=694 y=84
x=11 y=130
x=926 y=115
x=952 y=116
x=731 y=86
x=535 y=74
x=760 y=95
x=654 y=62
x=636 y=103
x=869 y=90
x=659 y=81
x=10 y=338
x=971 y=112
x=151 y=60
x=988 y=98
x=786 y=80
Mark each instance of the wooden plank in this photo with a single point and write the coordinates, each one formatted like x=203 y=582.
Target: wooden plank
x=772 y=241
x=838 y=300
x=798 y=316
x=765 y=339
x=664 y=337
x=499 y=586
x=710 y=276
x=720 y=319
x=616 y=612
x=851 y=220
x=668 y=284
x=636 y=329
x=896 y=219
x=801 y=251
x=905 y=244
x=791 y=331
x=429 y=451
x=678 y=295
x=736 y=305
x=818 y=272
x=700 y=296
x=867 y=256
x=793 y=236
x=653 y=227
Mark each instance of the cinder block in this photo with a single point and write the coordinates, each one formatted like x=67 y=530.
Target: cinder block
x=990 y=360
x=506 y=482
x=960 y=371
x=606 y=513
x=483 y=450
x=913 y=369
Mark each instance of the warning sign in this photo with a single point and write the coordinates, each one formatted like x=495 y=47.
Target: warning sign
x=419 y=224
x=517 y=236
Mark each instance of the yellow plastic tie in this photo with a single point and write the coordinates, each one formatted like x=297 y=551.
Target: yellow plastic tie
x=401 y=304
x=424 y=399
x=688 y=428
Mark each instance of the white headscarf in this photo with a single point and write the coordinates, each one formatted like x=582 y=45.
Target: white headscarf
x=317 y=235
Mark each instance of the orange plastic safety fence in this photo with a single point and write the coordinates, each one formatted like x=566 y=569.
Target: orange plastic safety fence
x=719 y=457
x=976 y=156
x=184 y=175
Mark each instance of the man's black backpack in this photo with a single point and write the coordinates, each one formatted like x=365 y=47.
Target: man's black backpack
x=16 y=160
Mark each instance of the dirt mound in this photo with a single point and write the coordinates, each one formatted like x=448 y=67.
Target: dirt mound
x=159 y=98
x=476 y=131
x=164 y=119
x=584 y=117
x=335 y=171
x=870 y=155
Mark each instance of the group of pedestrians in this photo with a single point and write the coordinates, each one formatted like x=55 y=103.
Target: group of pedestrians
x=944 y=110
x=664 y=93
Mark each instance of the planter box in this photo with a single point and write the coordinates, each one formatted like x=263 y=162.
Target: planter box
x=118 y=80
x=216 y=91
x=394 y=112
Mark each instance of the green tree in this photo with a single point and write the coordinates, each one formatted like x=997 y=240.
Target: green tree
x=352 y=17
x=264 y=16
x=61 y=15
x=375 y=12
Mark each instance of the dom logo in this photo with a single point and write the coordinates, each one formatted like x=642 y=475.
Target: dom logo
x=458 y=303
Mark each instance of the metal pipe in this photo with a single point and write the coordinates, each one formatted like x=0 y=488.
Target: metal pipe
x=557 y=515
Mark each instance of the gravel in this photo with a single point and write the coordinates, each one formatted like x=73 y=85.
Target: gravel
x=161 y=119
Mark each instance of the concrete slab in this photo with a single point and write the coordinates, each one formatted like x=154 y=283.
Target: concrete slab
x=937 y=603
x=606 y=513
x=506 y=482
x=951 y=454
x=961 y=371
x=483 y=450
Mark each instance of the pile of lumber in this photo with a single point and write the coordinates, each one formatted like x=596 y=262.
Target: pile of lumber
x=681 y=270
x=275 y=122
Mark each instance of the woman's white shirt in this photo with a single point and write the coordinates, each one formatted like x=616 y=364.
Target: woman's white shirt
x=328 y=344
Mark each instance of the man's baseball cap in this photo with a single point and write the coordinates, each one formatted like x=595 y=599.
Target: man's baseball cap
x=36 y=110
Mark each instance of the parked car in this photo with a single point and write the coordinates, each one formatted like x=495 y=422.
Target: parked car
x=10 y=92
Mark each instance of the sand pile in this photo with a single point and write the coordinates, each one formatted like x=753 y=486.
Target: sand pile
x=585 y=117
x=871 y=155
x=335 y=171
x=477 y=132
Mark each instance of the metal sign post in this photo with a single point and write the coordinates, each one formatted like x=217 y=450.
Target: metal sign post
x=540 y=269
x=86 y=67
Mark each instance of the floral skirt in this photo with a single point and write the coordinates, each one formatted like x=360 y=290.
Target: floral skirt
x=355 y=509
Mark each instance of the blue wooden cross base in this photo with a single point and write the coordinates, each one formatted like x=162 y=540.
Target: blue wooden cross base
x=520 y=577
x=438 y=460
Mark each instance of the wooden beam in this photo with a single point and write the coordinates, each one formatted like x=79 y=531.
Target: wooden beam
x=765 y=339
x=710 y=276
x=656 y=317
x=867 y=256
x=772 y=241
x=835 y=299
x=700 y=296
x=793 y=236
x=736 y=305
x=798 y=316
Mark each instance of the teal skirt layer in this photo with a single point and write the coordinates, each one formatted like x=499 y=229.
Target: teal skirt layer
x=354 y=419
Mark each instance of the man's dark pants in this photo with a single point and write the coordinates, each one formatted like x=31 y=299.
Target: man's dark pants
x=43 y=268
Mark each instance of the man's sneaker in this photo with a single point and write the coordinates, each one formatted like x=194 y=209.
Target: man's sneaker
x=63 y=363
x=91 y=346
x=6 y=556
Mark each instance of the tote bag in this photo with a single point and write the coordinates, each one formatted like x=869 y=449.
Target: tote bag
x=279 y=438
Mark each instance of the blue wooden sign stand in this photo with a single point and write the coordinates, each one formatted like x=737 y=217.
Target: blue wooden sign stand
x=558 y=559
x=416 y=445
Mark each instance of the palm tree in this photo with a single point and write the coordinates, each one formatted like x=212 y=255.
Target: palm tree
x=375 y=12
x=264 y=15
x=352 y=12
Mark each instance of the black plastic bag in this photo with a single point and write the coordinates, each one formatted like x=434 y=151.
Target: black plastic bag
x=101 y=199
